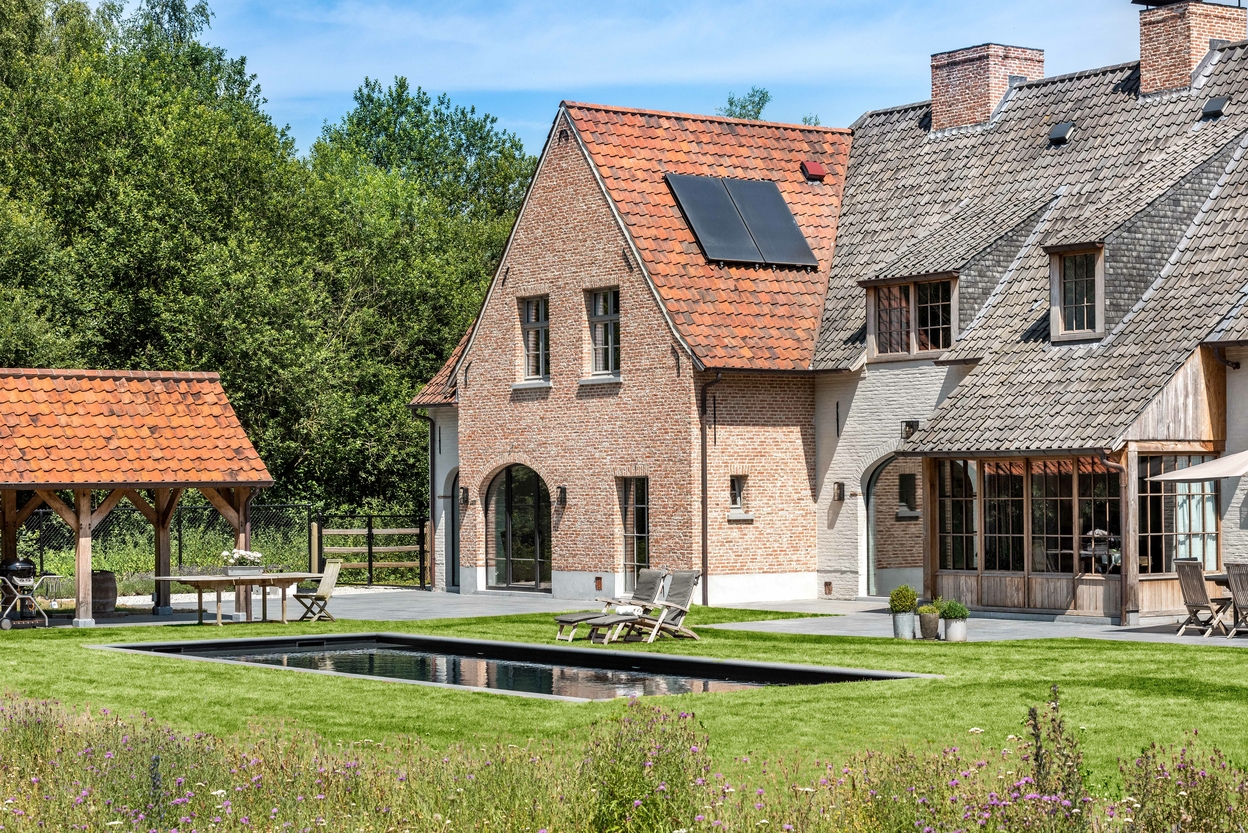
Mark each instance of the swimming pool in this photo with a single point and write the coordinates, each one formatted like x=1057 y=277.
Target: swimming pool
x=516 y=668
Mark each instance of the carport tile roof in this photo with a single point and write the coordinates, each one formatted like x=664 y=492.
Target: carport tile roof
x=68 y=428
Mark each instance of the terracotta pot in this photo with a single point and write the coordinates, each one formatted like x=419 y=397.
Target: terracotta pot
x=955 y=630
x=903 y=625
x=929 y=624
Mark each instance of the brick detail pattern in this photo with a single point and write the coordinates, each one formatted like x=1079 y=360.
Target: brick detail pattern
x=121 y=427
x=762 y=427
x=968 y=84
x=1174 y=39
x=898 y=541
x=586 y=437
x=566 y=243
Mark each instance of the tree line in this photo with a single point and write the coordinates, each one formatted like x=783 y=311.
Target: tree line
x=152 y=216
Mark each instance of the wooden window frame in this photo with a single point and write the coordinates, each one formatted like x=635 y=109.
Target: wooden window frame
x=543 y=347
x=1057 y=326
x=611 y=350
x=913 y=353
x=632 y=535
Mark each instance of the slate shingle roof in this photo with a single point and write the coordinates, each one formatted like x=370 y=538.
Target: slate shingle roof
x=67 y=428
x=732 y=316
x=440 y=389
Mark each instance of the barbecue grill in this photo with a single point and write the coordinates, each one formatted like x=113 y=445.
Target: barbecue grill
x=18 y=584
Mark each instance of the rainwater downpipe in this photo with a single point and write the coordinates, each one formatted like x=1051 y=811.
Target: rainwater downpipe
x=433 y=496
x=706 y=509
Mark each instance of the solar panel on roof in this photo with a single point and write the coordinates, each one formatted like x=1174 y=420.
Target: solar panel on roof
x=770 y=222
x=714 y=218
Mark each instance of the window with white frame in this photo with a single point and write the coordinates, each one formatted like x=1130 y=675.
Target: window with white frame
x=913 y=317
x=635 y=507
x=604 y=330
x=535 y=327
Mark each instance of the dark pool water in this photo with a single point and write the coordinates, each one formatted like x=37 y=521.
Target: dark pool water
x=508 y=675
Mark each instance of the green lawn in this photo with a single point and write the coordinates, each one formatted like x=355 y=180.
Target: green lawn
x=1125 y=694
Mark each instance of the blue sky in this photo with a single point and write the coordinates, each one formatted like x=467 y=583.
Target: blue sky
x=518 y=59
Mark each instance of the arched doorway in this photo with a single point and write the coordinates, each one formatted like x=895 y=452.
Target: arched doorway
x=895 y=526
x=452 y=536
x=517 y=550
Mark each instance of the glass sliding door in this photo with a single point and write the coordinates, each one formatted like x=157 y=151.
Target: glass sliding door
x=518 y=530
x=1003 y=517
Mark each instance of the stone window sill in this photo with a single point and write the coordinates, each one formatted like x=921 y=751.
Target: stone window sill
x=532 y=384
x=605 y=379
x=908 y=515
x=741 y=517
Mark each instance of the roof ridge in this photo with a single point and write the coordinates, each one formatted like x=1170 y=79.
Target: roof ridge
x=1082 y=73
x=702 y=117
x=71 y=373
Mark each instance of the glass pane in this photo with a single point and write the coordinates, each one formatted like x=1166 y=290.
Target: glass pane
x=892 y=319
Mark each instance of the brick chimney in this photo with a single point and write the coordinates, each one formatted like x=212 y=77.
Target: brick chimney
x=968 y=84
x=1174 y=37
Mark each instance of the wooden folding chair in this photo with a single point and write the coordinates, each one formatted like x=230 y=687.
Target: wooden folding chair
x=1237 y=580
x=1202 y=612
x=314 y=604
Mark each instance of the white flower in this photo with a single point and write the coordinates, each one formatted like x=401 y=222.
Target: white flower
x=218 y=792
x=975 y=730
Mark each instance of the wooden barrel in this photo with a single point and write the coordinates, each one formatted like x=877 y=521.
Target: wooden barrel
x=103 y=592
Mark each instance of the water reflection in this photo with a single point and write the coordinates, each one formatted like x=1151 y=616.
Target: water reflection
x=508 y=675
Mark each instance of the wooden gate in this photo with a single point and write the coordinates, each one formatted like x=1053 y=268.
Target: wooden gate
x=393 y=544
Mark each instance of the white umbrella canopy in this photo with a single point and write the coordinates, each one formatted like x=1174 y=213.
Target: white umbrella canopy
x=1232 y=465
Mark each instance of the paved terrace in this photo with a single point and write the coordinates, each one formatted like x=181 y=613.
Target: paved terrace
x=840 y=618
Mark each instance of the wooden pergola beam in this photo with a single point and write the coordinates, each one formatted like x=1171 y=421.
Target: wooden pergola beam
x=221 y=499
x=137 y=501
x=28 y=508
x=109 y=503
x=69 y=516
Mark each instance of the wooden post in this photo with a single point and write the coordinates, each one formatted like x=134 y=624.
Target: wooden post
x=8 y=511
x=166 y=503
x=1130 y=514
x=240 y=497
x=82 y=565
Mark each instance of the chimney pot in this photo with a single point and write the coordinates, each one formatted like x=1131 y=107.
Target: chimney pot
x=968 y=84
x=1175 y=38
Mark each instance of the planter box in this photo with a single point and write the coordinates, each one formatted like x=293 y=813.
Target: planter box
x=245 y=570
x=955 y=630
x=903 y=625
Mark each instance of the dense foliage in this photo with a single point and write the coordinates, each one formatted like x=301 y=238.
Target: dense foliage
x=645 y=770
x=153 y=217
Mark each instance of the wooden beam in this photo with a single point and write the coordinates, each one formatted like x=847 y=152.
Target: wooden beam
x=137 y=501
x=1129 y=515
x=110 y=502
x=68 y=515
x=82 y=561
x=8 y=515
x=165 y=516
x=166 y=500
x=221 y=505
x=28 y=508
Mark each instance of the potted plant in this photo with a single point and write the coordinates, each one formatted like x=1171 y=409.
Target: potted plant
x=955 y=615
x=929 y=621
x=902 y=602
x=242 y=562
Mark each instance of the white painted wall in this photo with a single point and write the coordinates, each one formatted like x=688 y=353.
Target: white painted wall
x=445 y=439
x=1235 y=489
x=873 y=403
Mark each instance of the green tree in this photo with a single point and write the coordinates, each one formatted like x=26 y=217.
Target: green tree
x=749 y=106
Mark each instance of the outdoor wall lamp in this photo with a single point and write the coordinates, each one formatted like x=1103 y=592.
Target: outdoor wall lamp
x=838 y=491
x=563 y=495
x=463 y=495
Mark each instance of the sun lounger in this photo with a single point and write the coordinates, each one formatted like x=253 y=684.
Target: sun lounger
x=669 y=619
x=645 y=594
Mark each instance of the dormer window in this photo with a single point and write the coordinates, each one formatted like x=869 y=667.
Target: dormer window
x=907 y=318
x=1077 y=294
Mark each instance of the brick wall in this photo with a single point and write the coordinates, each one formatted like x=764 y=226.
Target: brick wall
x=968 y=84
x=898 y=536
x=1174 y=39
x=762 y=427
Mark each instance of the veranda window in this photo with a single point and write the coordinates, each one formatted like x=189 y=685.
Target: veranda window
x=1177 y=520
x=955 y=505
x=1052 y=516
x=1003 y=516
x=1100 y=518
x=535 y=326
x=604 y=328
x=635 y=503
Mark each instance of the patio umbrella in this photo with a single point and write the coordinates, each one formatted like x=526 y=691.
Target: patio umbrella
x=1232 y=465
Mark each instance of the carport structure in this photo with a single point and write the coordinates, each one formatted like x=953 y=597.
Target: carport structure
x=113 y=435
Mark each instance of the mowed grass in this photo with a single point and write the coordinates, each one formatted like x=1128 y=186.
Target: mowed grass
x=1121 y=695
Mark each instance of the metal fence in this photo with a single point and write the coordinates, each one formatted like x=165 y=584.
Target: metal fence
x=124 y=542
x=375 y=549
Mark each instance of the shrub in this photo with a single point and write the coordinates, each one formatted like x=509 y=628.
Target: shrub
x=929 y=609
x=953 y=609
x=903 y=599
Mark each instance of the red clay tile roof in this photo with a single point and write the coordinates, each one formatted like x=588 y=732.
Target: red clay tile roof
x=734 y=316
x=65 y=428
x=440 y=390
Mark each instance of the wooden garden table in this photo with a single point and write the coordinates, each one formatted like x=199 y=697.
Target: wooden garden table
x=244 y=584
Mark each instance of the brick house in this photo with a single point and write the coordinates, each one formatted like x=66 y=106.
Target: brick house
x=1035 y=306
x=622 y=400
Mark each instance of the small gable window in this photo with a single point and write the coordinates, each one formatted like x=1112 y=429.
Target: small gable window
x=535 y=324
x=907 y=318
x=1078 y=295
x=604 y=327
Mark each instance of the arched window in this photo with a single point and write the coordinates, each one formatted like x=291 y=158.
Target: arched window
x=517 y=553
